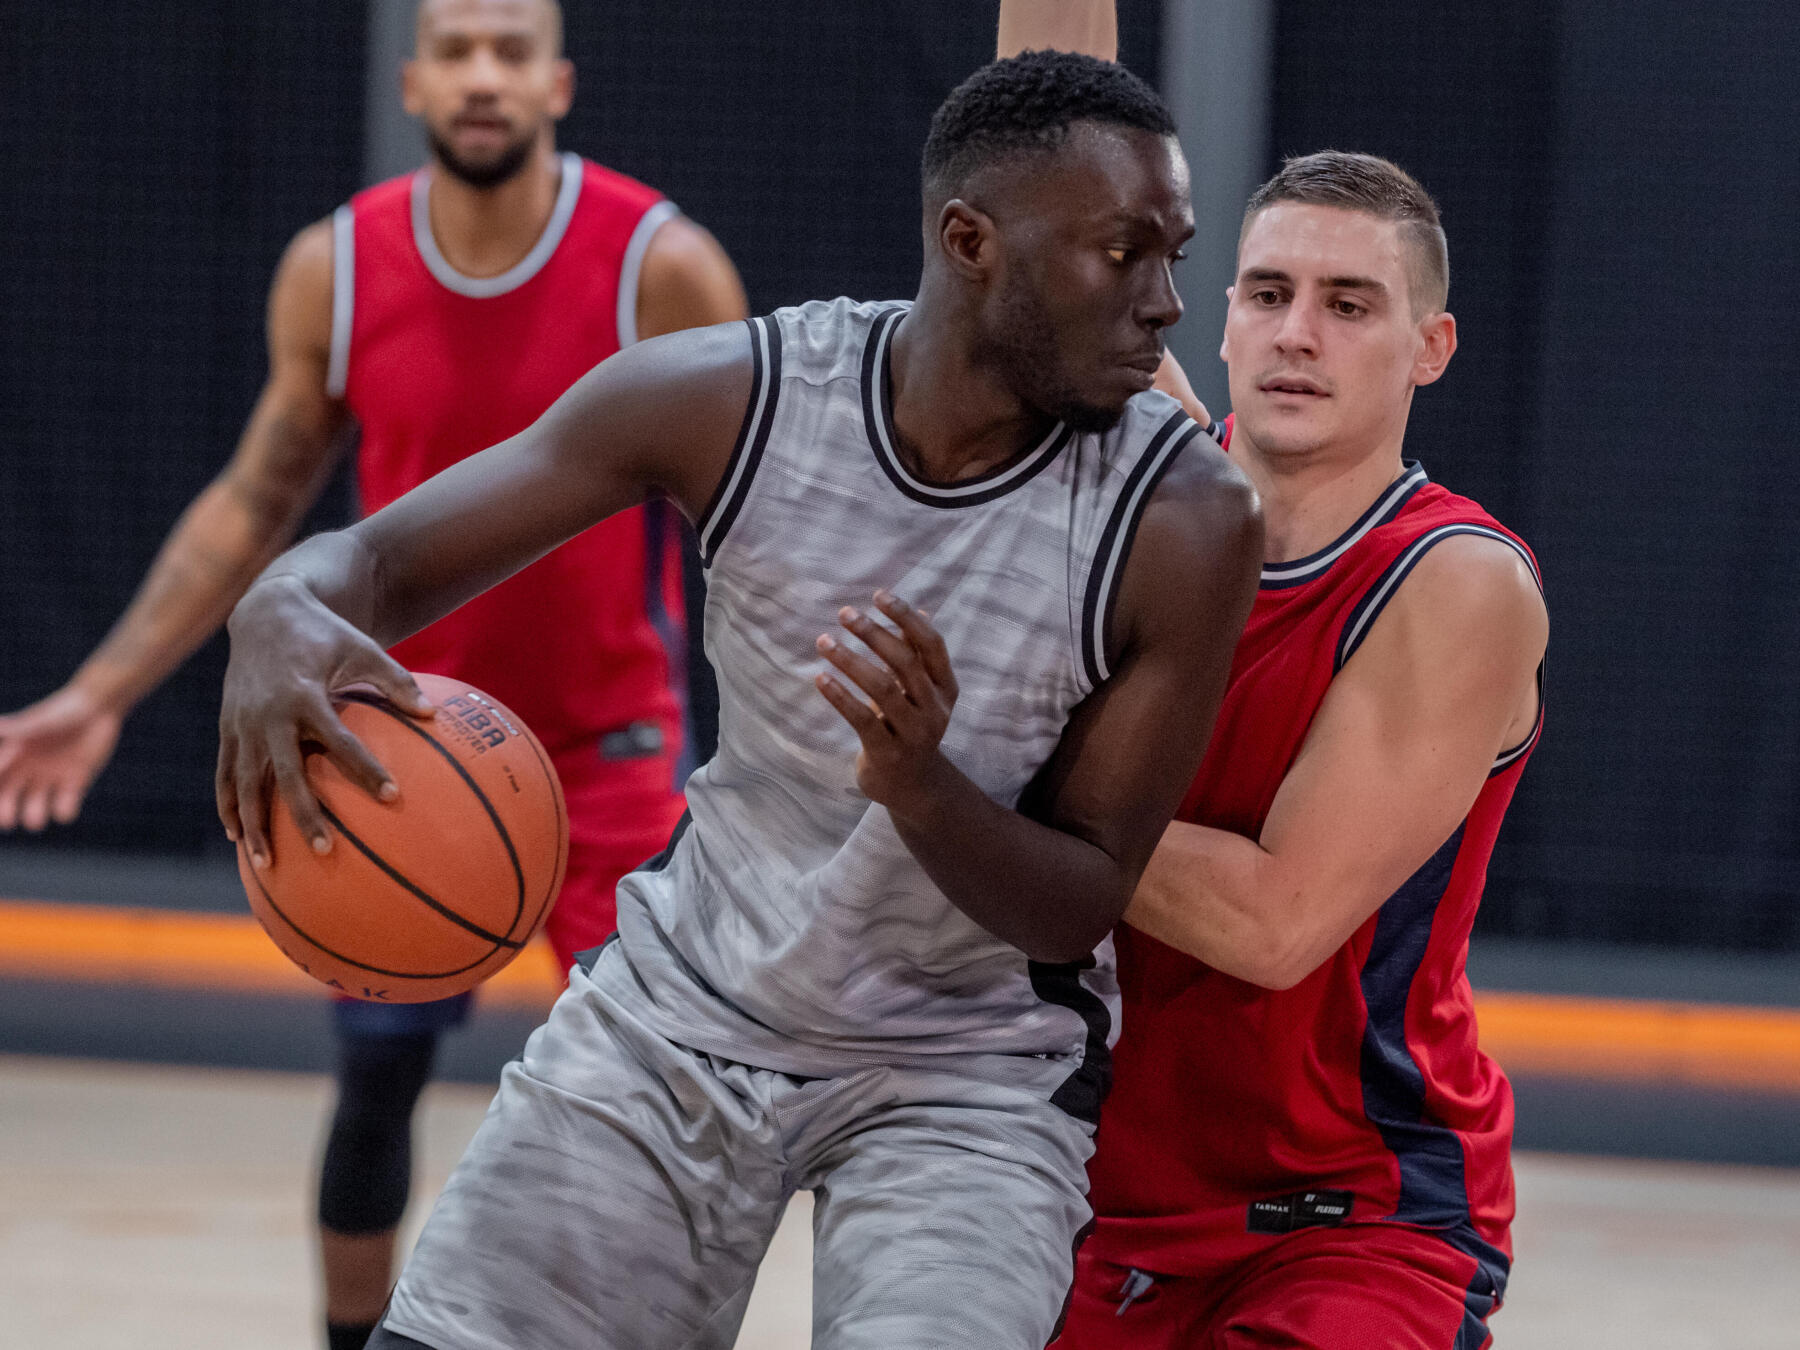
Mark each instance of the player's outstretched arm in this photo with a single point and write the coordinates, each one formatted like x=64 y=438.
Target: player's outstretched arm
x=1053 y=876
x=662 y=415
x=51 y=751
x=1087 y=26
x=1404 y=740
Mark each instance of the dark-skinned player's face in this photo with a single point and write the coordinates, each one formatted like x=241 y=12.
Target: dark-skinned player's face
x=1082 y=289
x=488 y=80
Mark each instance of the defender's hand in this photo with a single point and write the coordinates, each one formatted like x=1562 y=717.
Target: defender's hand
x=50 y=753
x=911 y=691
x=289 y=653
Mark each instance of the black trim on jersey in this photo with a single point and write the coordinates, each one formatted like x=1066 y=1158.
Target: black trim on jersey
x=1283 y=575
x=1363 y=615
x=878 y=421
x=661 y=860
x=1115 y=542
x=1059 y=983
x=753 y=436
x=1507 y=758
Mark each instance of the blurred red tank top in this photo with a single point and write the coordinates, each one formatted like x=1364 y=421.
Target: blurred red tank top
x=1237 y=1111
x=436 y=366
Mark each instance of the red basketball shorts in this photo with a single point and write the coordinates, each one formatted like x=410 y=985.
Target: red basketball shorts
x=1358 y=1287
x=621 y=813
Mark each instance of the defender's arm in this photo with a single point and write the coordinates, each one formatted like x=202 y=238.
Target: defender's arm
x=51 y=751
x=1088 y=26
x=1402 y=743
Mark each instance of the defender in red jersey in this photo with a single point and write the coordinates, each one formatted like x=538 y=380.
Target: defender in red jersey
x=443 y=311
x=1304 y=1145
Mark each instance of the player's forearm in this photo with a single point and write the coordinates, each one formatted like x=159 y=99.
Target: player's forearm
x=1050 y=894
x=213 y=554
x=1222 y=899
x=1087 y=26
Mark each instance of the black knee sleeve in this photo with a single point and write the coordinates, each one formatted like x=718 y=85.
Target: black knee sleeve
x=367 y=1172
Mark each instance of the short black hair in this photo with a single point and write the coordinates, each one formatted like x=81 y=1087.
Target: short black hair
x=1028 y=102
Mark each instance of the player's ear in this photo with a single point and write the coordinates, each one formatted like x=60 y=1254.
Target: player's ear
x=968 y=239
x=1437 y=344
x=1225 y=337
x=562 y=93
x=409 y=87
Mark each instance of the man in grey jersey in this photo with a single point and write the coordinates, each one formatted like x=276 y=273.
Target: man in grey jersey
x=873 y=963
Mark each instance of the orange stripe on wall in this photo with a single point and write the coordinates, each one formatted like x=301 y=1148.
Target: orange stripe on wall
x=186 y=950
x=1706 y=1044
x=1703 y=1043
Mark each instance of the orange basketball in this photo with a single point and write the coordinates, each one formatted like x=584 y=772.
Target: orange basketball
x=426 y=896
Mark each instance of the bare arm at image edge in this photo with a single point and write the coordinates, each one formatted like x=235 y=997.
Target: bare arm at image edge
x=51 y=751
x=1087 y=26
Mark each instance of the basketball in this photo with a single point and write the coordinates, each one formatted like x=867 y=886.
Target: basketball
x=428 y=895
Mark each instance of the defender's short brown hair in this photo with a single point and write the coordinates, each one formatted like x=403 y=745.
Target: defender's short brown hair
x=1381 y=188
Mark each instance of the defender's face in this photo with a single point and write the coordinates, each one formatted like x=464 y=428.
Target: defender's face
x=1320 y=339
x=1086 y=292
x=487 y=79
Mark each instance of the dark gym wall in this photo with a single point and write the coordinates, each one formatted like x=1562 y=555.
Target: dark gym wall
x=1617 y=184
x=157 y=158
x=172 y=150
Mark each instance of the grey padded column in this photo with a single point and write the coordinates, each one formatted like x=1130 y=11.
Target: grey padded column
x=1218 y=59
x=393 y=143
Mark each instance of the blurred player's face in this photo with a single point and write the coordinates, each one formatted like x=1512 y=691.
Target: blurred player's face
x=1322 y=344
x=1082 y=293
x=489 y=82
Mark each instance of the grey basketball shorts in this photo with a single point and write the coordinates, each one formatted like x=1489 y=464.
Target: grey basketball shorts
x=622 y=1190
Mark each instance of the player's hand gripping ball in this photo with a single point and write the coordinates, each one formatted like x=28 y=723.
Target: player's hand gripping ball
x=428 y=895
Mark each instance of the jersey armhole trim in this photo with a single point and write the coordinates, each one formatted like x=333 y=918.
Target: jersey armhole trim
x=1108 y=568
x=632 y=266
x=1376 y=598
x=752 y=438
x=343 y=298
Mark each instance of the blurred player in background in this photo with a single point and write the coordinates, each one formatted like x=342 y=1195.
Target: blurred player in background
x=443 y=311
x=1304 y=1145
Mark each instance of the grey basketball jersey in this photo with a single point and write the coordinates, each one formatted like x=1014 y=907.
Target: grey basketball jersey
x=788 y=926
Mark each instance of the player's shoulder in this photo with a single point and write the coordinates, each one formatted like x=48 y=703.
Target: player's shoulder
x=1156 y=436
x=1475 y=576
x=303 y=277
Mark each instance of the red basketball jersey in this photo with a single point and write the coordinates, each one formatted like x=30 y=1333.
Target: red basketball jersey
x=437 y=365
x=1237 y=1111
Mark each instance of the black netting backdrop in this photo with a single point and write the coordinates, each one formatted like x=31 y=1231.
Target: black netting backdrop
x=1618 y=188
x=157 y=158
x=170 y=153
x=1617 y=183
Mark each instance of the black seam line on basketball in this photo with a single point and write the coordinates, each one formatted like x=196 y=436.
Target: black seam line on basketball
x=1381 y=511
x=395 y=875
x=562 y=828
x=1090 y=600
x=364 y=965
x=512 y=854
x=765 y=379
x=874 y=379
x=1383 y=589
